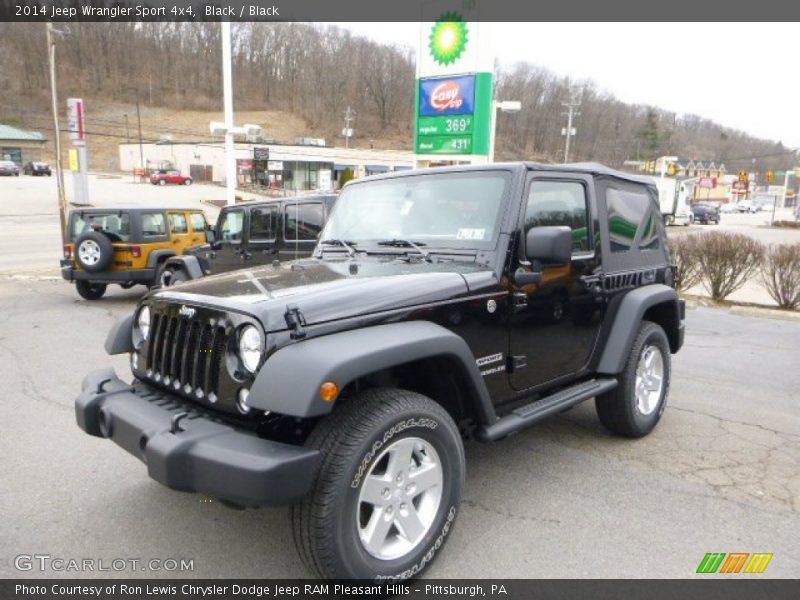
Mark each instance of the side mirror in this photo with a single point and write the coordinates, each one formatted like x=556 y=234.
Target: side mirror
x=549 y=245
x=544 y=246
x=211 y=236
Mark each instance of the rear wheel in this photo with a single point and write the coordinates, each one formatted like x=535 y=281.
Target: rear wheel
x=188 y=182
x=94 y=251
x=90 y=291
x=388 y=487
x=634 y=407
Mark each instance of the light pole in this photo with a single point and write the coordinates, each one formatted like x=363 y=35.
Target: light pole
x=506 y=106
x=568 y=132
x=227 y=85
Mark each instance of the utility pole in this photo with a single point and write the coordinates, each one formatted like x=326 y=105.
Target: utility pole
x=62 y=199
x=571 y=114
x=127 y=130
x=349 y=115
x=139 y=122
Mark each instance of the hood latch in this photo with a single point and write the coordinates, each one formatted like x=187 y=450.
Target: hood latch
x=295 y=321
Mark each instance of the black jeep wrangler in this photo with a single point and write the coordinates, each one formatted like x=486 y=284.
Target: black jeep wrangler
x=465 y=302
x=252 y=234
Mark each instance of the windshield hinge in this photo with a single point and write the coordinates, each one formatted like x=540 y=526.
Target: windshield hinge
x=295 y=321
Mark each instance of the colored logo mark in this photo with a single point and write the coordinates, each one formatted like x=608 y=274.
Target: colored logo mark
x=448 y=38
x=735 y=562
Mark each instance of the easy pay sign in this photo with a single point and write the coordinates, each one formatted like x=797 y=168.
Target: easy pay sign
x=453 y=99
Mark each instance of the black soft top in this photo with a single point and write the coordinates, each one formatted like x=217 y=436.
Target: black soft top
x=584 y=167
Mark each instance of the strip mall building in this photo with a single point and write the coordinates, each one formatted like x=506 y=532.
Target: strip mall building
x=289 y=168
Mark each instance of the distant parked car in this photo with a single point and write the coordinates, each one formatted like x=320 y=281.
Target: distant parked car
x=730 y=207
x=9 y=167
x=747 y=206
x=37 y=168
x=165 y=176
x=705 y=213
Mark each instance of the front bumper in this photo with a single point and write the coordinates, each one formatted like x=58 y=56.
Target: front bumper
x=70 y=273
x=187 y=448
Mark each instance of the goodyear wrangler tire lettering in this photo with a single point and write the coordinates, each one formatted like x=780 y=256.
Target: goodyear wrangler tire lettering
x=385 y=453
x=376 y=447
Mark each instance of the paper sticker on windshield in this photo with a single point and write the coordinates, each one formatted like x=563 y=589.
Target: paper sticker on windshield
x=470 y=234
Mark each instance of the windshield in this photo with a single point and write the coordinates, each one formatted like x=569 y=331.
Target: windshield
x=454 y=210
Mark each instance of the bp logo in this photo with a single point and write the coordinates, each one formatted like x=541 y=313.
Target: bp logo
x=448 y=38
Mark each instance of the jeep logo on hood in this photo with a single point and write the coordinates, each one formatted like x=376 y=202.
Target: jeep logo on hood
x=187 y=311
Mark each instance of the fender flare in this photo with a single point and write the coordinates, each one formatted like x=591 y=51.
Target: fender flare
x=290 y=379
x=157 y=255
x=627 y=318
x=188 y=264
x=119 y=339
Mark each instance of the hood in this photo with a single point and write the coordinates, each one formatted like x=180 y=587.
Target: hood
x=328 y=290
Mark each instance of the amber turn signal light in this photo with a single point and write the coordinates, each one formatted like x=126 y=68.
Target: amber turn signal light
x=328 y=391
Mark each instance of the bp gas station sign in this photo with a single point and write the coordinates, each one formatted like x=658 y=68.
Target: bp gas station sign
x=453 y=97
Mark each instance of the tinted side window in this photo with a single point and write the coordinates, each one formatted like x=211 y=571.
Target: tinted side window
x=199 y=222
x=629 y=214
x=264 y=223
x=230 y=226
x=555 y=203
x=153 y=224
x=177 y=223
x=303 y=222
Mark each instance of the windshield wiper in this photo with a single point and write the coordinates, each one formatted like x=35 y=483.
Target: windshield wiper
x=400 y=243
x=347 y=245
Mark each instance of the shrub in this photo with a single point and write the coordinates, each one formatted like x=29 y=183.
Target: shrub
x=780 y=274
x=683 y=250
x=726 y=261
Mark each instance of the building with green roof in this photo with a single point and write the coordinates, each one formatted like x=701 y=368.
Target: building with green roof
x=21 y=145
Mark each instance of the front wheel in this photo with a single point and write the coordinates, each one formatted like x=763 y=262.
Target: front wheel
x=162 y=182
x=634 y=407
x=388 y=487
x=90 y=291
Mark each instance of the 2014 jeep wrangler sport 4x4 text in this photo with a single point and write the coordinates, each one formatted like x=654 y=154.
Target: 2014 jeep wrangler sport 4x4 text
x=438 y=305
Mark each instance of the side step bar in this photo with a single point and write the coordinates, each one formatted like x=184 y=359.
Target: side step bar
x=527 y=415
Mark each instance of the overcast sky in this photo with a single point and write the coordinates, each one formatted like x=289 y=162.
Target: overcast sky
x=742 y=75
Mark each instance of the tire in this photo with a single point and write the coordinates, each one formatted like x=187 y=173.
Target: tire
x=94 y=251
x=356 y=444
x=162 y=182
x=187 y=182
x=90 y=291
x=621 y=410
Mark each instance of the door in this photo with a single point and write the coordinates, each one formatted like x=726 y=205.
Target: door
x=555 y=322
x=262 y=235
x=199 y=225
x=228 y=247
x=180 y=236
x=174 y=177
x=302 y=222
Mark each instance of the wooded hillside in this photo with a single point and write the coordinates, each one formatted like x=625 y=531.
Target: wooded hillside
x=315 y=72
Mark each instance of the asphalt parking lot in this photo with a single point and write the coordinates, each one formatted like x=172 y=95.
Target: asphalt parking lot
x=563 y=499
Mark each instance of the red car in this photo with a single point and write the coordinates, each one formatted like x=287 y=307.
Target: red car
x=165 y=176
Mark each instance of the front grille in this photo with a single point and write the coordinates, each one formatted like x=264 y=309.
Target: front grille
x=186 y=355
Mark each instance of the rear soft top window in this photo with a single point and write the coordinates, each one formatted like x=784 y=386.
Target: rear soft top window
x=117 y=226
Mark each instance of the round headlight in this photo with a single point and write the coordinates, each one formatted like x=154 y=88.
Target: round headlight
x=250 y=347
x=143 y=322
